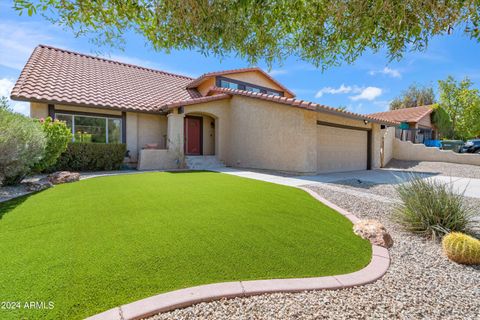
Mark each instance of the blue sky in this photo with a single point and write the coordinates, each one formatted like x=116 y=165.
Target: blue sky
x=366 y=86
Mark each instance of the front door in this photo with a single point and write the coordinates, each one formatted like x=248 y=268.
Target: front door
x=193 y=135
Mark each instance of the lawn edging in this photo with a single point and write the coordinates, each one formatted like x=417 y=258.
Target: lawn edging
x=172 y=300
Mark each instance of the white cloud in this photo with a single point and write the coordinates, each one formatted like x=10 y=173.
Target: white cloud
x=276 y=72
x=394 y=73
x=368 y=93
x=17 y=41
x=340 y=90
x=6 y=86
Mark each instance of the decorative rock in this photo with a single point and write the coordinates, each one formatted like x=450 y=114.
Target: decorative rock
x=373 y=231
x=34 y=186
x=63 y=177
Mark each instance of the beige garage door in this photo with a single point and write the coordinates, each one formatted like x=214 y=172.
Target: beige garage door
x=340 y=149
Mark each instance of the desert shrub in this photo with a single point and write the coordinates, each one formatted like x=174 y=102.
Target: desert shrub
x=461 y=248
x=58 y=136
x=432 y=209
x=22 y=144
x=91 y=157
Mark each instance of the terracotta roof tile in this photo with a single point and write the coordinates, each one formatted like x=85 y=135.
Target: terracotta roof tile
x=301 y=104
x=197 y=81
x=61 y=76
x=405 y=115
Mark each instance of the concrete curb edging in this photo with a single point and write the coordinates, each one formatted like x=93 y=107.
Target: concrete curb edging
x=172 y=300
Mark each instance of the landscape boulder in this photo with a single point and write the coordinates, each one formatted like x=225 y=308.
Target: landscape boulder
x=34 y=186
x=373 y=231
x=63 y=177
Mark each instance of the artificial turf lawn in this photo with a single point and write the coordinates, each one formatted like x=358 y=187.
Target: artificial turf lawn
x=91 y=245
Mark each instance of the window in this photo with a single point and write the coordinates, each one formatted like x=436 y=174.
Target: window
x=228 y=84
x=252 y=89
x=275 y=93
x=93 y=129
x=240 y=85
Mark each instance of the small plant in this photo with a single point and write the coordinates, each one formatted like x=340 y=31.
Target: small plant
x=22 y=144
x=461 y=248
x=58 y=135
x=432 y=209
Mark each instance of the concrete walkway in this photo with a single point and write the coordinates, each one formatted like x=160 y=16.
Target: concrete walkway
x=471 y=187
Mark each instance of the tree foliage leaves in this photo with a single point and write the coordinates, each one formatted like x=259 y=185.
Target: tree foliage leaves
x=323 y=32
x=414 y=96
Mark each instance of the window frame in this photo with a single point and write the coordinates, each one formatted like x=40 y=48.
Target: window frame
x=106 y=117
x=243 y=85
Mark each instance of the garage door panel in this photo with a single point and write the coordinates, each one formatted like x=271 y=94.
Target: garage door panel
x=341 y=149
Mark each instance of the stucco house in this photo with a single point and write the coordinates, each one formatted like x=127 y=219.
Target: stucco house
x=414 y=124
x=241 y=118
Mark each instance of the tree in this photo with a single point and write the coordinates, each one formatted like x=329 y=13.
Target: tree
x=462 y=103
x=442 y=122
x=323 y=32
x=414 y=96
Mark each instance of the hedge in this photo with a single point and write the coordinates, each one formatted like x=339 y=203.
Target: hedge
x=91 y=157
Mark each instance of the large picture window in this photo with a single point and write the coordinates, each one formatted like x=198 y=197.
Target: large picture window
x=93 y=129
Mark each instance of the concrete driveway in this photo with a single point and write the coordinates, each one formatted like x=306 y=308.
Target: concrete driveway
x=470 y=187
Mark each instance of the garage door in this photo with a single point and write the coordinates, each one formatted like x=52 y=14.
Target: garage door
x=340 y=149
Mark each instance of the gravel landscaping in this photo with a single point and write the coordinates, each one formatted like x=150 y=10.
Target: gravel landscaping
x=421 y=283
x=444 y=168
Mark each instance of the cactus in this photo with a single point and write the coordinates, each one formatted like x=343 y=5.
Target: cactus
x=461 y=248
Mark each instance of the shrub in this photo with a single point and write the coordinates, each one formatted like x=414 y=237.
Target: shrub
x=58 y=135
x=461 y=248
x=91 y=157
x=22 y=144
x=432 y=209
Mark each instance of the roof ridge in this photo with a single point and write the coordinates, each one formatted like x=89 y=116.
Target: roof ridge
x=115 y=61
x=430 y=106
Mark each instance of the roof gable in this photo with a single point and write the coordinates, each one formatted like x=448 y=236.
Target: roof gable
x=195 y=83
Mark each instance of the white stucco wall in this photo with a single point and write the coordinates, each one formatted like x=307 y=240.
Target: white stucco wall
x=405 y=150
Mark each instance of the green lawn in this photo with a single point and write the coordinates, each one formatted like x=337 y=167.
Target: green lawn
x=95 y=244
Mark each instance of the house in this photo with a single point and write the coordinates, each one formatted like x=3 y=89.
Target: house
x=241 y=118
x=415 y=124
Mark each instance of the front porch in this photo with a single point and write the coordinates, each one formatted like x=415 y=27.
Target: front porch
x=191 y=143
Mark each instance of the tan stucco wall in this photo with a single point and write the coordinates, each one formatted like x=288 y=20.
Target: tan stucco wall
x=151 y=159
x=145 y=129
x=406 y=150
x=206 y=85
x=388 y=136
x=59 y=107
x=220 y=112
x=38 y=110
x=268 y=135
x=254 y=77
x=208 y=135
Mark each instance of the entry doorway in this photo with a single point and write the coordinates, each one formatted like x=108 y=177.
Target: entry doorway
x=193 y=132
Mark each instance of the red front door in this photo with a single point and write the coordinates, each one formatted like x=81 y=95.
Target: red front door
x=193 y=135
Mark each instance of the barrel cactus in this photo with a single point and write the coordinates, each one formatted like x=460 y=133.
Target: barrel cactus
x=461 y=248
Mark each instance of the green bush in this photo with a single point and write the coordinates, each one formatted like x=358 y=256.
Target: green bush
x=58 y=135
x=91 y=157
x=22 y=144
x=432 y=209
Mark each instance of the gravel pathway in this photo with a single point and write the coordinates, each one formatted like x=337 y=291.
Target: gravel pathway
x=420 y=284
x=444 y=168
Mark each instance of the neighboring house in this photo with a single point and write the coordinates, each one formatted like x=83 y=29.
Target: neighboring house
x=415 y=124
x=242 y=118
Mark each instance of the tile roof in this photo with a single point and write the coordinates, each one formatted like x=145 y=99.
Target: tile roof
x=301 y=104
x=61 y=76
x=405 y=115
x=197 y=81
